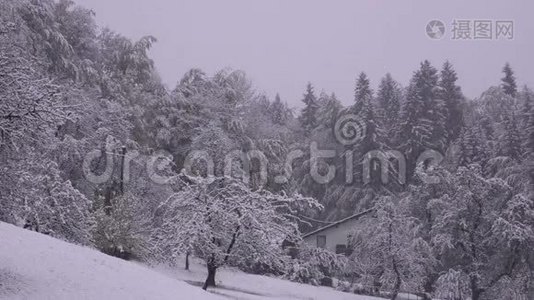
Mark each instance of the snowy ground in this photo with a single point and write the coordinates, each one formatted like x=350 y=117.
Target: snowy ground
x=35 y=266
x=238 y=285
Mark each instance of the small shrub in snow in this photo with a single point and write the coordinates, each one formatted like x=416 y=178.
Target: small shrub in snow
x=314 y=264
x=120 y=229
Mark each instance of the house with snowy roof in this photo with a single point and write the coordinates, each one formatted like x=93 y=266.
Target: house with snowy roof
x=336 y=236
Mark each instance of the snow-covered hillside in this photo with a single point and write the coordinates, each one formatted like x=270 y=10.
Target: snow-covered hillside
x=35 y=266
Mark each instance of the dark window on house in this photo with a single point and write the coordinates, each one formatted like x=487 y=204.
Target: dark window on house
x=341 y=249
x=321 y=241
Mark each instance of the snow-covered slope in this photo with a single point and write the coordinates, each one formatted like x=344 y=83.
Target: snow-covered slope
x=35 y=266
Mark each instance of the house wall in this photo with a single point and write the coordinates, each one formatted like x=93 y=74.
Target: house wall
x=335 y=235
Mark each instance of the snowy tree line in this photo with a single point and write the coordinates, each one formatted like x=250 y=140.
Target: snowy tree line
x=68 y=87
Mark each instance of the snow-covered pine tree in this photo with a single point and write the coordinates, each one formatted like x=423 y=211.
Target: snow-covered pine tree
x=389 y=98
x=452 y=95
x=423 y=116
x=372 y=139
x=472 y=146
x=329 y=111
x=308 y=116
x=510 y=139
x=365 y=110
x=280 y=113
x=410 y=133
x=363 y=94
x=527 y=125
x=529 y=141
x=528 y=147
x=508 y=81
x=437 y=112
x=527 y=96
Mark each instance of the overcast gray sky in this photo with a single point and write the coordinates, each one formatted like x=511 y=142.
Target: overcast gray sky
x=283 y=44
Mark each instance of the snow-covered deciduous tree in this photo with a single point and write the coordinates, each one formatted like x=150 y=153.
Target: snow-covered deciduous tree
x=481 y=229
x=452 y=285
x=35 y=193
x=220 y=220
x=124 y=67
x=213 y=140
x=39 y=199
x=387 y=253
x=30 y=102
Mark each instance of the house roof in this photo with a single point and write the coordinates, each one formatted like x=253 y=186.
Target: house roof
x=356 y=216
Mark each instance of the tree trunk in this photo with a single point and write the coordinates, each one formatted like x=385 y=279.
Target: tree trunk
x=476 y=292
x=397 y=286
x=530 y=292
x=376 y=283
x=210 y=281
x=530 y=261
x=187 y=261
x=123 y=156
x=428 y=286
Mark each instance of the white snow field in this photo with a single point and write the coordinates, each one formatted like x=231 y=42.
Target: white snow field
x=35 y=266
